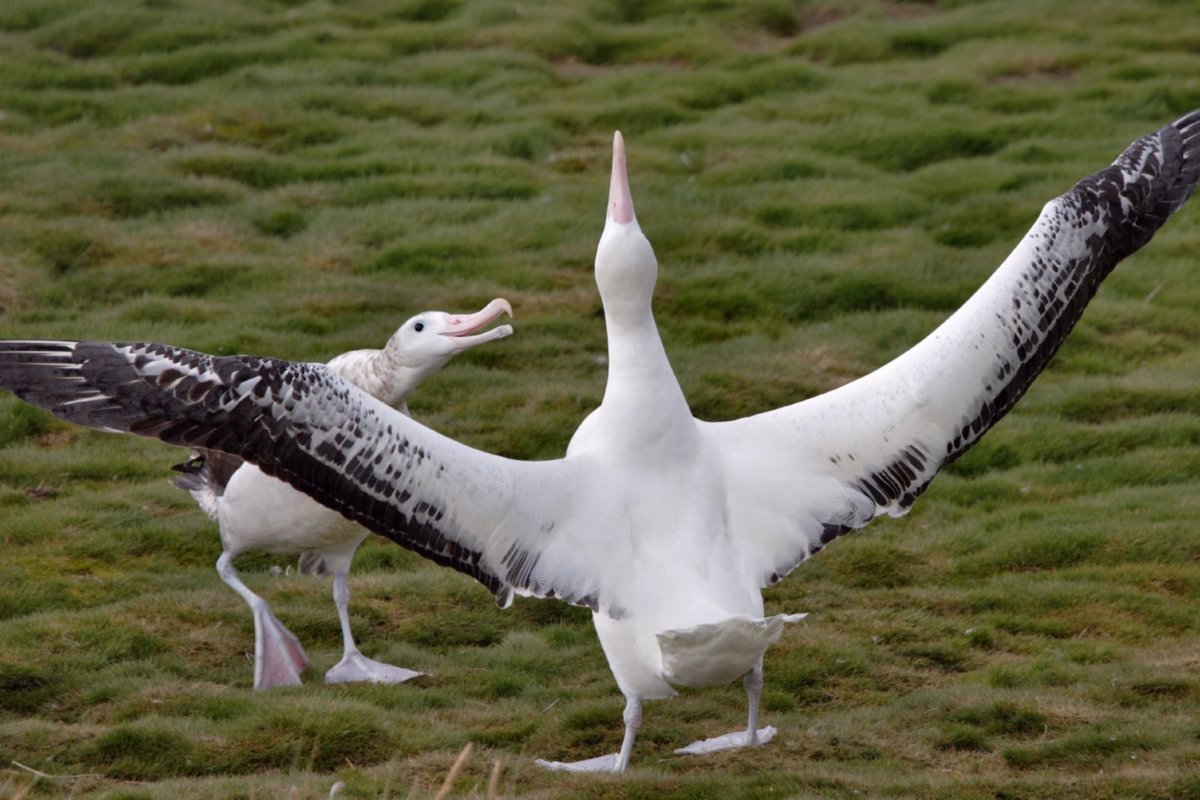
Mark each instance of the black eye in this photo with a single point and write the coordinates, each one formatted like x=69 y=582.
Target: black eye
x=420 y=326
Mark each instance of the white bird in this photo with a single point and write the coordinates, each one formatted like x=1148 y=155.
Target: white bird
x=258 y=512
x=665 y=526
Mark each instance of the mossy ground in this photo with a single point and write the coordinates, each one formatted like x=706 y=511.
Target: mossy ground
x=823 y=183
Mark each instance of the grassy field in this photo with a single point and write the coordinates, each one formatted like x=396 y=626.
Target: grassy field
x=823 y=182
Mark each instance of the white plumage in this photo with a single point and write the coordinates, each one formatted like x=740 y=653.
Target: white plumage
x=665 y=526
x=256 y=512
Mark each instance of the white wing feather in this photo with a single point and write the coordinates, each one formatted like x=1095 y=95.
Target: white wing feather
x=805 y=474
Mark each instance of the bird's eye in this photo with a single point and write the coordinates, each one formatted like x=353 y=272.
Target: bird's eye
x=420 y=326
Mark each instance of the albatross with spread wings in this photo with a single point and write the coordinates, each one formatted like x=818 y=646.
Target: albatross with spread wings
x=257 y=512
x=666 y=527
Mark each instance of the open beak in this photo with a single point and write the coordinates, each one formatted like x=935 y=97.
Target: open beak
x=620 y=201
x=464 y=329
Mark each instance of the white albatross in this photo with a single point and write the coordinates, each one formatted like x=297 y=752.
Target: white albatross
x=256 y=512
x=665 y=526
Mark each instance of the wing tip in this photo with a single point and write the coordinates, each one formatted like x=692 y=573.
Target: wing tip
x=1188 y=121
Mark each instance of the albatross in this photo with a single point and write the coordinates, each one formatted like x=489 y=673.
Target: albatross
x=665 y=526
x=258 y=512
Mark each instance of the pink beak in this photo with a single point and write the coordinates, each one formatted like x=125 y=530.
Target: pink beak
x=460 y=326
x=620 y=201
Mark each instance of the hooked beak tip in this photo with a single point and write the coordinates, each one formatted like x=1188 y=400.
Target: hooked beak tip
x=620 y=200
x=460 y=328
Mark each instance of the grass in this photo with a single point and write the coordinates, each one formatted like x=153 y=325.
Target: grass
x=822 y=182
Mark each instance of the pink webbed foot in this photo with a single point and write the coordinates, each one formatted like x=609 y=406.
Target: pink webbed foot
x=279 y=658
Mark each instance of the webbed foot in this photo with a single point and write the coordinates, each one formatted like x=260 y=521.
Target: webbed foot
x=357 y=668
x=279 y=658
x=729 y=741
x=606 y=763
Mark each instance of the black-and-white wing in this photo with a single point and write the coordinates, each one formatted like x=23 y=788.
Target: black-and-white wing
x=808 y=473
x=492 y=518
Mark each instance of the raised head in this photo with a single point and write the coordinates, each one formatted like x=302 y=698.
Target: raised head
x=626 y=268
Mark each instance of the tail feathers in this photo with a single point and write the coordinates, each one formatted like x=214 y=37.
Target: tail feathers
x=717 y=653
x=204 y=476
x=194 y=474
x=207 y=470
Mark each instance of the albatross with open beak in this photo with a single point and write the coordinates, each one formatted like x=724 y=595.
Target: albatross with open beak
x=257 y=512
x=666 y=527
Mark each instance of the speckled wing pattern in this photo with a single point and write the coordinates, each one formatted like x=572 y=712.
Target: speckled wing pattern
x=811 y=472
x=480 y=514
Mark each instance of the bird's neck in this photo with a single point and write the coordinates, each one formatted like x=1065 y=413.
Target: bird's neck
x=398 y=379
x=642 y=389
x=380 y=373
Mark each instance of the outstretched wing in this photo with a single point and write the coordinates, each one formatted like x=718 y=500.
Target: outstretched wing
x=495 y=519
x=808 y=473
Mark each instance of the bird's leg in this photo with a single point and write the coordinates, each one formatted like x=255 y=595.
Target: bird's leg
x=278 y=657
x=754 y=686
x=752 y=736
x=354 y=666
x=614 y=762
x=633 y=724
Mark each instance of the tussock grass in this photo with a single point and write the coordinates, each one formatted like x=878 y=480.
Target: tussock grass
x=823 y=184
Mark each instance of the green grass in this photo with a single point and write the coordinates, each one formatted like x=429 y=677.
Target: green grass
x=823 y=183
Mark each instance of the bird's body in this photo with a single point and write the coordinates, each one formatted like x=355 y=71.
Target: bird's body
x=684 y=577
x=258 y=513
x=665 y=526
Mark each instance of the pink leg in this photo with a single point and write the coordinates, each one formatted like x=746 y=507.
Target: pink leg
x=278 y=656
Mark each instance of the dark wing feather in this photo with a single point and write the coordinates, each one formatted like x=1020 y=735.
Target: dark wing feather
x=302 y=423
